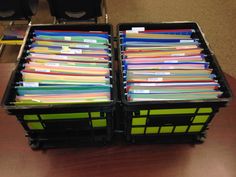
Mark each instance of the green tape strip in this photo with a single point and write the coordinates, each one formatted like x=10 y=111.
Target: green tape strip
x=143 y=112
x=180 y=129
x=205 y=110
x=99 y=123
x=150 y=130
x=35 y=126
x=137 y=130
x=200 y=118
x=195 y=128
x=95 y=114
x=31 y=117
x=166 y=129
x=139 y=121
x=172 y=111
x=65 y=116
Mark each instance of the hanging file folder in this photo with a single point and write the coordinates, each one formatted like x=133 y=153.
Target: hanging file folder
x=64 y=66
x=157 y=59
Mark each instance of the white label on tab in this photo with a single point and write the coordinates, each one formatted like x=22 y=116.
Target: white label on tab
x=138 y=29
x=52 y=64
x=178 y=54
x=158 y=79
x=82 y=46
x=145 y=84
x=67 y=52
x=30 y=84
x=162 y=73
x=42 y=70
x=171 y=61
x=35 y=100
x=141 y=91
x=63 y=57
x=130 y=31
x=183 y=41
x=78 y=51
x=65 y=48
x=67 y=38
x=90 y=40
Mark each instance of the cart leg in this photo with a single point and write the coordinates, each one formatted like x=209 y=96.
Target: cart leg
x=2 y=46
x=105 y=11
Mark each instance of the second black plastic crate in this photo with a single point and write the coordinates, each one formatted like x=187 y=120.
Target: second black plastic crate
x=171 y=120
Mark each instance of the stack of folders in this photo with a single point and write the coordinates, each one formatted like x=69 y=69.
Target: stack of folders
x=166 y=65
x=66 y=67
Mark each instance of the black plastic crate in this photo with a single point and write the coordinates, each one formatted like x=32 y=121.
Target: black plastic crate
x=171 y=120
x=65 y=123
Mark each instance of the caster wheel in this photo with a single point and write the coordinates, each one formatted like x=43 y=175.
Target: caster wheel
x=133 y=141
x=34 y=144
x=104 y=141
x=128 y=138
x=200 y=139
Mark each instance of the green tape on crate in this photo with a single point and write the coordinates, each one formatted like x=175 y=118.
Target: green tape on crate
x=172 y=111
x=166 y=129
x=139 y=121
x=35 y=126
x=31 y=117
x=65 y=116
x=95 y=114
x=205 y=110
x=143 y=112
x=99 y=123
x=195 y=128
x=137 y=130
x=180 y=129
x=200 y=118
x=150 y=130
